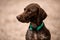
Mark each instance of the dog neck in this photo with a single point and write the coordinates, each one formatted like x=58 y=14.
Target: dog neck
x=36 y=28
x=36 y=22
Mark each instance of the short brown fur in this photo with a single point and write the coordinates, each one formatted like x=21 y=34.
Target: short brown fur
x=34 y=14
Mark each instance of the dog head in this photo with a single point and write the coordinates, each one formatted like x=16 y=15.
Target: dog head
x=31 y=13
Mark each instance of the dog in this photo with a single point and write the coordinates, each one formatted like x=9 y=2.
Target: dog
x=37 y=30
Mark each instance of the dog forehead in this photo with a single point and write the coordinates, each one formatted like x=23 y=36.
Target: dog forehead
x=32 y=6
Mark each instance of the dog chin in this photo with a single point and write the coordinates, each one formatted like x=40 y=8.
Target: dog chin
x=23 y=21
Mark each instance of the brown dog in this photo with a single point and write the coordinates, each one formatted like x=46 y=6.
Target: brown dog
x=34 y=14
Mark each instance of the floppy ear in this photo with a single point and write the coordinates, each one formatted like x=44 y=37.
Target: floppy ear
x=42 y=14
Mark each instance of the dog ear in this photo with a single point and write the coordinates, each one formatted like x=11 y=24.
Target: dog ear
x=42 y=14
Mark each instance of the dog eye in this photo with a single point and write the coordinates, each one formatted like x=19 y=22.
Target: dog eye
x=28 y=10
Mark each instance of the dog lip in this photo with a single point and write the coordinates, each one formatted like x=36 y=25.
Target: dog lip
x=21 y=20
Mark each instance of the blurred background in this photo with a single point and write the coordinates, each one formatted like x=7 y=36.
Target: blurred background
x=12 y=29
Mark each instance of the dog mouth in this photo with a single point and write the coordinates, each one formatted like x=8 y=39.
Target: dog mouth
x=25 y=19
x=22 y=19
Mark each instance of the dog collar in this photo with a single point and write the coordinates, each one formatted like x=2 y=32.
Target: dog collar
x=37 y=28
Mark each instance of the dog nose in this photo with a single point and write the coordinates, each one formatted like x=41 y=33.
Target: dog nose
x=18 y=17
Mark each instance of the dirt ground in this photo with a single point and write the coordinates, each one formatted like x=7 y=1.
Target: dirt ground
x=12 y=29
